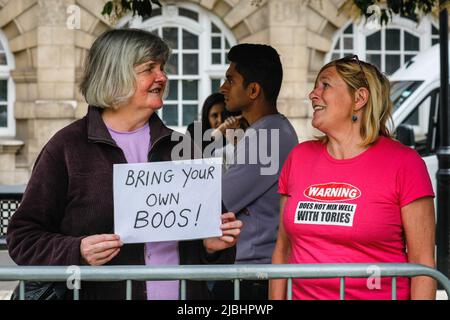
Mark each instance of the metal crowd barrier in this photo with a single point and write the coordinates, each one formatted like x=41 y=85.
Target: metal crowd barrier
x=221 y=272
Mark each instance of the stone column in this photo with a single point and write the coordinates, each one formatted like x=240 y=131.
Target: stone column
x=55 y=69
x=9 y=174
x=288 y=34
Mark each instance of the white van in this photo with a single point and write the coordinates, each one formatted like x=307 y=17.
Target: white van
x=415 y=95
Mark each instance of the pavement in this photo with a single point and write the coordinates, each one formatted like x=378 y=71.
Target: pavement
x=7 y=287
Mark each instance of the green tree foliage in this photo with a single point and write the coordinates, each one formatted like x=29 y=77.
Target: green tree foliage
x=382 y=9
x=385 y=9
x=116 y=9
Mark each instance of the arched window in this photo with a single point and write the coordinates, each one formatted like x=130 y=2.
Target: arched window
x=389 y=47
x=199 y=42
x=7 y=91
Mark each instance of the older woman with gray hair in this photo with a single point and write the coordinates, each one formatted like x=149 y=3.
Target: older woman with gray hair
x=66 y=214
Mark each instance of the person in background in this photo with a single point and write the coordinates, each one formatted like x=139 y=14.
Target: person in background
x=249 y=188
x=212 y=112
x=66 y=214
x=231 y=130
x=355 y=195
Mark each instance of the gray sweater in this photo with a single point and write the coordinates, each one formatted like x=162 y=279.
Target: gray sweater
x=250 y=185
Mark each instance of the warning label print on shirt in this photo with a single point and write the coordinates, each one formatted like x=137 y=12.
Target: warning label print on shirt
x=336 y=214
x=329 y=210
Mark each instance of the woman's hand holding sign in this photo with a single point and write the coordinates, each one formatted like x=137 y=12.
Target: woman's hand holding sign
x=231 y=228
x=99 y=249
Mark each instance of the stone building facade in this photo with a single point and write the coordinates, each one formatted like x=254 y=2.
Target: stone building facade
x=44 y=42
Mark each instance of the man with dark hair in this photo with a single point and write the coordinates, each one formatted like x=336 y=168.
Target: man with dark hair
x=260 y=64
x=249 y=186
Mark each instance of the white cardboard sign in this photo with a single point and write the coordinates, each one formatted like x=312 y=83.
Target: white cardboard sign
x=171 y=200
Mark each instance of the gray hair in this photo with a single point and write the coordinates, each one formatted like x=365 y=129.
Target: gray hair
x=109 y=78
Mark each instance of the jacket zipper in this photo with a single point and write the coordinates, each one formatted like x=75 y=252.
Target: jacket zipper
x=153 y=146
x=112 y=145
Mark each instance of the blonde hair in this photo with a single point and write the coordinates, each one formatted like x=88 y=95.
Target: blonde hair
x=377 y=113
x=109 y=78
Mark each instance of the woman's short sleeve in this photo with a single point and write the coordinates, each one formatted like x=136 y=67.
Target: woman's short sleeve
x=413 y=180
x=283 y=181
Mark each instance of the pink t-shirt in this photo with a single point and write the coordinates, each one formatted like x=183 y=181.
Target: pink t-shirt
x=349 y=211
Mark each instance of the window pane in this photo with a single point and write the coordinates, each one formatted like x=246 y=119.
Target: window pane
x=190 y=63
x=348 y=43
x=413 y=118
x=401 y=90
x=190 y=40
x=409 y=57
x=3 y=60
x=434 y=30
x=190 y=113
x=335 y=56
x=3 y=116
x=214 y=28
x=3 y=90
x=170 y=35
x=173 y=90
x=172 y=64
x=349 y=29
x=434 y=41
x=392 y=39
x=215 y=85
x=374 y=59
x=227 y=44
x=215 y=42
x=337 y=46
x=411 y=42
x=190 y=89
x=419 y=118
x=156 y=12
x=216 y=58
x=170 y=114
x=373 y=42
x=392 y=63
x=188 y=13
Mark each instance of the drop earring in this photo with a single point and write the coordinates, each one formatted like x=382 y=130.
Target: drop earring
x=354 y=118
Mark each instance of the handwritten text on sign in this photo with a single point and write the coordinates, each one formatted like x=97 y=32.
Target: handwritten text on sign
x=162 y=201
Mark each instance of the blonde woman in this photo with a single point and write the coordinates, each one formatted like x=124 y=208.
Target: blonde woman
x=355 y=195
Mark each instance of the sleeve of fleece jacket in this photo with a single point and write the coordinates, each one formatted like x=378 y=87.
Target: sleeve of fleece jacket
x=33 y=235
x=226 y=256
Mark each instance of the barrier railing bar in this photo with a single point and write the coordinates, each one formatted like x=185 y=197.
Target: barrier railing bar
x=342 y=288
x=129 y=290
x=289 y=289
x=219 y=272
x=236 y=289
x=394 y=288
x=183 y=289
x=76 y=294
x=21 y=290
x=214 y=272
